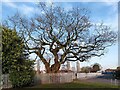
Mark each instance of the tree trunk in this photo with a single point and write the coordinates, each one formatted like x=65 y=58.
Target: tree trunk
x=53 y=69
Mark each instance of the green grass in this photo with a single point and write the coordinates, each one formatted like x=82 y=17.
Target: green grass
x=76 y=84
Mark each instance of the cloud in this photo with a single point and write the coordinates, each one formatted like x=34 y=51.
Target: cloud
x=9 y=3
x=114 y=6
x=69 y=7
x=112 y=22
x=49 y=2
x=26 y=9
x=61 y=1
x=19 y=0
x=23 y=8
x=107 y=13
x=112 y=19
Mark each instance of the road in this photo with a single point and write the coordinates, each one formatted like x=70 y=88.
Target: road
x=101 y=78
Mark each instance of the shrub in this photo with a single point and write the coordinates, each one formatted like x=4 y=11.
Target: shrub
x=22 y=75
x=117 y=74
x=15 y=60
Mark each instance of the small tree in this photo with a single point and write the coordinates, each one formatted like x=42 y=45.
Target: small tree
x=96 y=67
x=86 y=69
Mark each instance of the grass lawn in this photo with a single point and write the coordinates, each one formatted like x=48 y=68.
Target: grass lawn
x=76 y=84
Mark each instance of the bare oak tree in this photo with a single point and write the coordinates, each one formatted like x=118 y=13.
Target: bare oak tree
x=62 y=35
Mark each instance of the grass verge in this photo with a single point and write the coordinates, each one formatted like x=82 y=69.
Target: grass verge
x=76 y=84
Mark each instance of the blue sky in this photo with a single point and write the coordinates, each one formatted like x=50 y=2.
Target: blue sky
x=106 y=12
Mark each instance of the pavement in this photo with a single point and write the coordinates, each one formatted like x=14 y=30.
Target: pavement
x=102 y=79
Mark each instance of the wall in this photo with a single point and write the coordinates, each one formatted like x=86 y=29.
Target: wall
x=88 y=75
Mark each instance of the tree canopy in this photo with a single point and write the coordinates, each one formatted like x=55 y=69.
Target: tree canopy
x=86 y=69
x=62 y=35
x=96 y=67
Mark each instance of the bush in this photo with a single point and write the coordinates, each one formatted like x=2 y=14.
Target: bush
x=117 y=74
x=22 y=75
x=15 y=60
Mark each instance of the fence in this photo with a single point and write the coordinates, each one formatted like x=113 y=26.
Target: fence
x=5 y=82
x=46 y=78
x=42 y=79
x=54 y=78
x=87 y=75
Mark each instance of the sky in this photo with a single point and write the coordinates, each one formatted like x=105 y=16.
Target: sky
x=102 y=11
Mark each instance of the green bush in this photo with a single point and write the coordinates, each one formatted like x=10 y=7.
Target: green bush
x=117 y=74
x=20 y=79
x=15 y=60
x=22 y=75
